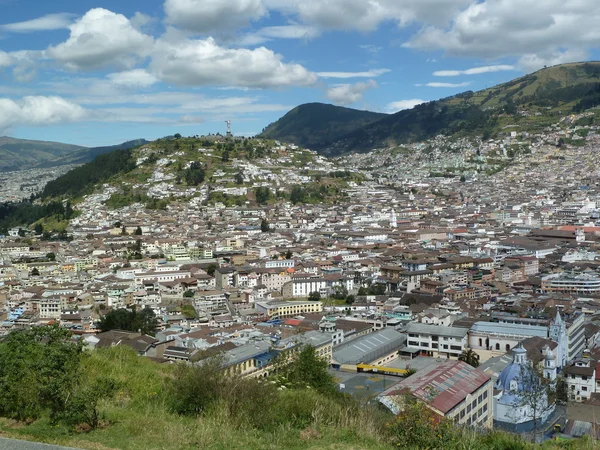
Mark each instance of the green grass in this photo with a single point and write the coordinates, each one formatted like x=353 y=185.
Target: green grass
x=138 y=418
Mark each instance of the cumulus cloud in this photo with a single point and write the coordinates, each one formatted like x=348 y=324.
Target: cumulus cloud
x=346 y=94
x=368 y=15
x=550 y=30
x=198 y=62
x=532 y=62
x=44 y=23
x=204 y=16
x=368 y=74
x=447 y=85
x=403 y=104
x=38 y=110
x=101 y=38
x=132 y=78
x=474 y=70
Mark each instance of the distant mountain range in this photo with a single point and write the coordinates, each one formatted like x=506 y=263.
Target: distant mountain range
x=20 y=154
x=531 y=102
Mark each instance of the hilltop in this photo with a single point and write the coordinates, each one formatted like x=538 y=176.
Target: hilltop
x=19 y=154
x=531 y=102
x=310 y=124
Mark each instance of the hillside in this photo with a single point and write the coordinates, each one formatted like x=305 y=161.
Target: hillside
x=531 y=102
x=313 y=123
x=18 y=154
x=89 y=154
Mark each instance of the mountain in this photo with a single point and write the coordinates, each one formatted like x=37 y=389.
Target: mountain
x=19 y=154
x=315 y=123
x=531 y=102
x=89 y=154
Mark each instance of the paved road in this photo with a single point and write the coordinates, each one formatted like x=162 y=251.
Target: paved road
x=14 y=444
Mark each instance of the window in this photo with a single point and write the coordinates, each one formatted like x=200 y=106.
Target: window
x=468 y=409
x=480 y=342
x=484 y=395
x=584 y=378
x=507 y=347
x=455 y=347
x=434 y=345
x=497 y=346
x=584 y=388
x=435 y=338
x=445 y=347
x=485 y=408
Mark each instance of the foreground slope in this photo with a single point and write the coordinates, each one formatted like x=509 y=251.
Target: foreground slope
x=314 y=123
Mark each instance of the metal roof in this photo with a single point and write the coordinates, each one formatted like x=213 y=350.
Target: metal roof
x=366 y=349
x=444 y=386
x=436 y=330
x=517 y=329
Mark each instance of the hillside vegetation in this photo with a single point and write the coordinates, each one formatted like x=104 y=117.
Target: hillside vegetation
x=19 y=154
x=114 y=399
x=531 y=102
x=311 y=124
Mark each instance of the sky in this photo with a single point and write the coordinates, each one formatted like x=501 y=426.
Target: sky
x=105 y=71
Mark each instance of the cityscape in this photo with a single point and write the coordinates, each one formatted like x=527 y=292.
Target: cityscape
x=371 y=272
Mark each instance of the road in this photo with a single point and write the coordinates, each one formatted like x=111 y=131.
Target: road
x=14 y=444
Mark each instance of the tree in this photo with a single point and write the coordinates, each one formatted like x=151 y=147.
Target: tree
x=264 y=226
x=239 y=178
x=138 y=231
x=188 y=294
x=143 y=321
x=534 y=395
x=38 y=368
x=35 y=272
x=177 y=136
x=38 y=229
x=262 y=194
x=470 y=357
x=210 y=269
x=306 y=369
x=21 y=232
x=314 y=296
x=340 y=292
x=463 y=178
x=51 y=256
x=289 y=254
x=123 y=230
x=297 y=195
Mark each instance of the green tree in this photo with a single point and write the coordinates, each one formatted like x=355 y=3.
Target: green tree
x=188 y=294
x=289 y=254
x=138 y=231
x=262 y=194
x=306 y=369
x=38 y=229
x=239 y=178
x=470 y=357
x=264 y=226
x=35 y=272
x=314 y=296
x=51 y=256
x=144 y=321
x=210 y=269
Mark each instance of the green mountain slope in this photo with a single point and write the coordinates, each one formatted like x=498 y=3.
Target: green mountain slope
x=18 y=154
x=531 y=102
x=314 y=123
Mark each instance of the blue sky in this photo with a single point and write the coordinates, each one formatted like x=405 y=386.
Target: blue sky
x=105 y=71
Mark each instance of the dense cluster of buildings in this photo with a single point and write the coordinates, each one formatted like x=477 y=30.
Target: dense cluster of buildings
x=402 y=272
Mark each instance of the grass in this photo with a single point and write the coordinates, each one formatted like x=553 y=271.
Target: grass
x=139 y=418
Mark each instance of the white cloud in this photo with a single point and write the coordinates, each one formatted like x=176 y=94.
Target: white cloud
x=447 y=85
x=44 y=23
x=367 y=15
x=292 y=31
x=5 y=59
x=371 y=48
x=369 y=74
x=346 y=94
x=204 y=16
x=101 y=38
x=403 y=104
x=474 y=70
x=533 y=62
x=132 y=78
x=188 y=62
x=533 y=30
x=38 y=110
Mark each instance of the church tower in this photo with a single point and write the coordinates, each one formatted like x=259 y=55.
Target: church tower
x=549 y=364
x=393 y=220
x=558 y=333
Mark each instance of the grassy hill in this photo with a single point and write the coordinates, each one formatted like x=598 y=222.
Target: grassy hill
x=531 y=102
x=18 y=154
x=314 y=123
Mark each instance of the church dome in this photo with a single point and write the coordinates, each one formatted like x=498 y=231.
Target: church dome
x=510 y=380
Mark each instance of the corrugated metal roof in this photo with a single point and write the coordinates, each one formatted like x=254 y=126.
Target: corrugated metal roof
x=436 y=330
x=444 y=386
x=370 y=347
x=517 y=329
